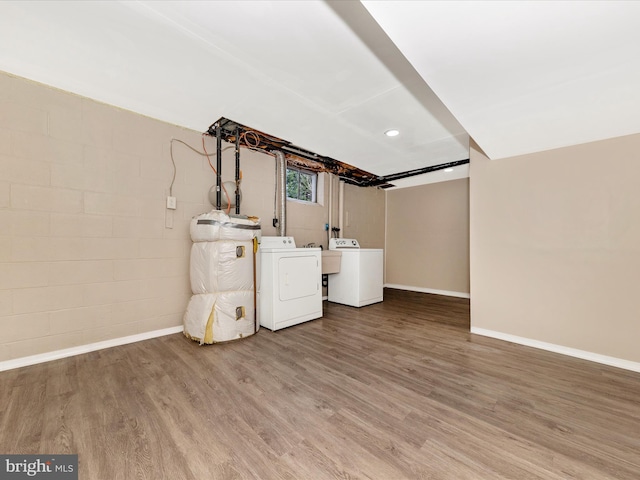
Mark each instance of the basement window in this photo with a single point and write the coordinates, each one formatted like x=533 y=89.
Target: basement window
x=301 y=185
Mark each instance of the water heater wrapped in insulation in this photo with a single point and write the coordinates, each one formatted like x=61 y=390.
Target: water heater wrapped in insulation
x=217 y=225
x=223 y=271
x=225 y=265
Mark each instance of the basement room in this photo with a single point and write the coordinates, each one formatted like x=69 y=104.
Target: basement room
x=321 y=239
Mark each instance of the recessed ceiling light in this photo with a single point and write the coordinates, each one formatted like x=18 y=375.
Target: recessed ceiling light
x=448 y=169
x=392 y=133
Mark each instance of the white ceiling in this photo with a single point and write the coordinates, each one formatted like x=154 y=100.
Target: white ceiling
x=518 y=76
x=525 y=76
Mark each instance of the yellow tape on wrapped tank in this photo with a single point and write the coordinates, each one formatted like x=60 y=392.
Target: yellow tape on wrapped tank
x=208 y=332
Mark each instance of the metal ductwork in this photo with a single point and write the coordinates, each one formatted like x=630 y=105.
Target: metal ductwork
x=282 y=185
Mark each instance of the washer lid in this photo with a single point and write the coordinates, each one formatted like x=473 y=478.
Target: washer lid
x=343 y=243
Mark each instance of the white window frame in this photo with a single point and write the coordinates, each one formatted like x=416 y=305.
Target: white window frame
x=314 y=185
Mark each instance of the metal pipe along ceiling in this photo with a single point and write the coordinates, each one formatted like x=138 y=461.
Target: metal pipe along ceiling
x=282 y=165
x=231 y=131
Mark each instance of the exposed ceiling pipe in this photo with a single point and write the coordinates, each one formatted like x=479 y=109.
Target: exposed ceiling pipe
x=330 y=178
x=420 y=171
x=282 y=165
x=218 y=166
x=257 y=140
x=231 y=130
x=341 y=210
x=238 y=172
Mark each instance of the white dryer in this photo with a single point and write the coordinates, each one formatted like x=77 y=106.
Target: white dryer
x=290 y=283
x=360 y=280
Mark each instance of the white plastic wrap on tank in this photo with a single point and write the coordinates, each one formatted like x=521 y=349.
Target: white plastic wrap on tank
x=220 y=317
x=217 y=225
x=225 y=265
x=223 y=258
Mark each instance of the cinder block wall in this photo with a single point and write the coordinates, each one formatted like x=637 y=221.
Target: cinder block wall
x=86 y=254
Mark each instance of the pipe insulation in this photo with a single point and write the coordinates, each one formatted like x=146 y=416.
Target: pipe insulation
x=282 y=165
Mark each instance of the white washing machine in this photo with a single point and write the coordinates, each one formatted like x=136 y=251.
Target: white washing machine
x=361 y=277
x=290 y=283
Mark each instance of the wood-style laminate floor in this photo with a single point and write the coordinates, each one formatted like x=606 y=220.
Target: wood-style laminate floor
x=398 y=390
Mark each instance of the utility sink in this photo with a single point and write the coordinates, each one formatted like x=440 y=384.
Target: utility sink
x=331 y=261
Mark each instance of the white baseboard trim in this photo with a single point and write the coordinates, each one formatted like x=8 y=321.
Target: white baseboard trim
x=326 y=297
x=428 y=290
x=80 y=349
x=551 y=347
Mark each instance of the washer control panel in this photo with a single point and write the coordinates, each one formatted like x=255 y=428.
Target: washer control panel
x=343 y=243
x=277 y=242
